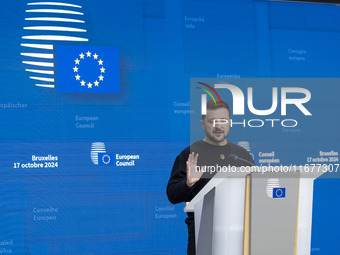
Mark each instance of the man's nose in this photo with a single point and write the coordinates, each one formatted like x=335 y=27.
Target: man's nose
x=220 y=122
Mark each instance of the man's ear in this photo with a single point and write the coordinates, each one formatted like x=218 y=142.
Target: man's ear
x=202 y=123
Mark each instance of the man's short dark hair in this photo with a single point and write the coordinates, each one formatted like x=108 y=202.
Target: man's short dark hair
x=212 y=106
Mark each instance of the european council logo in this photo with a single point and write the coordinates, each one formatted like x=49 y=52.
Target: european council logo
x=87 y=69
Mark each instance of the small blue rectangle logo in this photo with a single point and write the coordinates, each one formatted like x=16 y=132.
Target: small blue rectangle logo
x=105 y=159
x=279 y=192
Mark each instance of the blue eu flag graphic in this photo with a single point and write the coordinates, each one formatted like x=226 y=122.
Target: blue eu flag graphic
x=279 y=192
x=87 y=69
x=106 y=159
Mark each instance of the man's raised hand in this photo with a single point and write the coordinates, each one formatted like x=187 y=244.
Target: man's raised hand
x=192 y=174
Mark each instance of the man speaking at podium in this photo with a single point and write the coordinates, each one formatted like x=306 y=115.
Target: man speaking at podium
x=213 y=152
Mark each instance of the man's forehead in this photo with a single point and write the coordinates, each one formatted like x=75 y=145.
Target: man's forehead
x=217 y=113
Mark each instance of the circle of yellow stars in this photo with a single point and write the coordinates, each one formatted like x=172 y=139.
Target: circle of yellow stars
x=108 y=159
x=100 y=63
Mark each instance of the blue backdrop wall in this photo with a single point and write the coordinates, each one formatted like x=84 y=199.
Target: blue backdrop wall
x=84 y=161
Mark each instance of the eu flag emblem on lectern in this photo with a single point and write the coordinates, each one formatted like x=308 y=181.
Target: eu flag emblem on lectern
x=279 y=192
x=87 y=69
